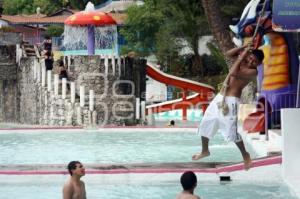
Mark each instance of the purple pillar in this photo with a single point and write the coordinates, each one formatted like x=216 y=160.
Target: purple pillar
x=91 y=40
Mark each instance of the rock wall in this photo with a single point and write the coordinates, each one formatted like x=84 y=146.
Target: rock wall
x=115 y=87
x=30 y=93
x=8 y=82
x=10 y=38
x=26 y=99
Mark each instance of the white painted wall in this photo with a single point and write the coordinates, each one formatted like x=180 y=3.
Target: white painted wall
x=155 y=91
x=291 y=147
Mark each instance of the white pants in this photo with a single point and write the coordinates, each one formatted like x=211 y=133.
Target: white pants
x=214 y=120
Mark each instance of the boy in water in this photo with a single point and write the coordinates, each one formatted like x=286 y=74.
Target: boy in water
x=189 y=183
x=74 y=188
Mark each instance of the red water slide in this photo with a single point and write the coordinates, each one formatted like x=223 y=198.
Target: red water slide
x=204 y=92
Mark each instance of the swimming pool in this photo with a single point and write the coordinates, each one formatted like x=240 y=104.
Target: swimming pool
x=126 y=146
x=50 y=147
x=207 y=189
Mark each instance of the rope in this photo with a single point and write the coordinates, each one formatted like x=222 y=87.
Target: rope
x=223 y=106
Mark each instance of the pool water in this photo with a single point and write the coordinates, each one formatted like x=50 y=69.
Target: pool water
x=39 y=147
x=168 y=190
x=192 y=115
x=52 y=147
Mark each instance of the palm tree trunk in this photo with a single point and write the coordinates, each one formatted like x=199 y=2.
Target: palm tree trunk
x=217 y=26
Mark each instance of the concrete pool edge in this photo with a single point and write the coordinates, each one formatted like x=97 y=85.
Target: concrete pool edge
x=200 y=167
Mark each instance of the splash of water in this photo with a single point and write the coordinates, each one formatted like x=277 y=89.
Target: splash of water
x=75 y=37
x=89 y=7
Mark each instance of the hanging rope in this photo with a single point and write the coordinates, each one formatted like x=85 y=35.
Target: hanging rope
x=222 y=105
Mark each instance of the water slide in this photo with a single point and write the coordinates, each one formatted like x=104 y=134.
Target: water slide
x=203 y=95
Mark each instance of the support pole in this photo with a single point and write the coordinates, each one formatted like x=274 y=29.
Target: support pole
x=184 y=109
x=91 y=40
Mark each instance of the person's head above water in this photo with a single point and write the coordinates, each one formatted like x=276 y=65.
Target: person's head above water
x=172 y=123
x=188 y=180
x=75 y=167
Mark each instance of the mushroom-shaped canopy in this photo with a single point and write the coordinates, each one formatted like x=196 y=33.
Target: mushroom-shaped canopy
x=90 y=18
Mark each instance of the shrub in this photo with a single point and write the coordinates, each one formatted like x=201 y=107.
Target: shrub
x=55 y=31
x=7 y=29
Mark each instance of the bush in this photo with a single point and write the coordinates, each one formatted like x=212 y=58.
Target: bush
x=55 y=31
x=7 y=29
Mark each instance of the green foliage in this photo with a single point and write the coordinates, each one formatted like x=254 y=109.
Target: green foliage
x=141 y=26
x=13 y=7
x=47 y=6
x=232 y=8
x=55 y=31
x=160 y=27
x=7 y=29
x=80 y=4
x=215 y=63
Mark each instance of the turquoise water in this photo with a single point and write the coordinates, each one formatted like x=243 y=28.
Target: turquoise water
x=192 y=115
x=107 y=147
x=207 y=190
x=111 y=147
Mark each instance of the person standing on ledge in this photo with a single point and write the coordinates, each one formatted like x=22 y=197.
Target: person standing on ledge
x=188 y=181
x=221 y=113
x=74 y=188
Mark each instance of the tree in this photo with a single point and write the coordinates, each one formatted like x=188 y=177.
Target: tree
x=188 y=22
x=55 y=31
x=80 y=4
x=215 y=17
x=141 y=27
x=13 y=7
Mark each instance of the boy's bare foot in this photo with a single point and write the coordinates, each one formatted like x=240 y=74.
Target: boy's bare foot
x=247 y=161
x=198 y=156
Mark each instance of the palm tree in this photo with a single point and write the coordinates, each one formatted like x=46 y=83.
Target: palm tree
x=217 y=26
